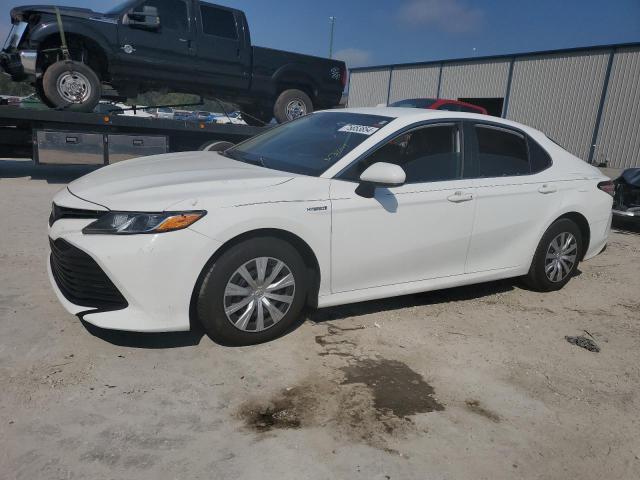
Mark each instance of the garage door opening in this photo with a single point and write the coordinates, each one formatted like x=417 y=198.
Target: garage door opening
x=492 y=105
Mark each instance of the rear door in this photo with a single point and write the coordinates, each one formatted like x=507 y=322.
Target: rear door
x=162 y=54
x=223 y=55
x=515 y=196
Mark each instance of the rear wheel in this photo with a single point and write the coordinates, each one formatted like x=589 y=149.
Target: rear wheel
x=557 y=257
x=253 y=293
x=71 y=85
x=292 y=104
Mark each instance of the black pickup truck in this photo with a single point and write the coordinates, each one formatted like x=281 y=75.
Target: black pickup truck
x=75 y=56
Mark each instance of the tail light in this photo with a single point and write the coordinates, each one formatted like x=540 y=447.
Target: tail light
x=344 y=77
x=608 y=187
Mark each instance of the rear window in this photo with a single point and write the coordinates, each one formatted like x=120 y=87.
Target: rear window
x=311 y=144
x=218 y=22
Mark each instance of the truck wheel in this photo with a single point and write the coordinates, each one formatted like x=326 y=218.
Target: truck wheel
x=72 y=85
x=292 y=104
x=215 y=146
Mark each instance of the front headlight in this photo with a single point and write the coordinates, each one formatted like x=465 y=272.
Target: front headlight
x=132 y=223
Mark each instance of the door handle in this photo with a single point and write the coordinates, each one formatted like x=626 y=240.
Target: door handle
x=547 y=189
x=460 y=197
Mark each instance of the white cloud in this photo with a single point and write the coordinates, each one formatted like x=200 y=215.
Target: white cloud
x=448 y=15
x=354 y=57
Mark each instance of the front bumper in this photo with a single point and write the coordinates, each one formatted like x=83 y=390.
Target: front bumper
x=20 y=64
x=155 y=274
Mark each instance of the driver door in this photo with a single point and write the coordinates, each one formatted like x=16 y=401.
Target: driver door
x=164 y=54
x=414 y=232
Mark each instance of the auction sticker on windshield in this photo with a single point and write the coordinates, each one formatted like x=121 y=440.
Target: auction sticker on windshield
x=361 y=129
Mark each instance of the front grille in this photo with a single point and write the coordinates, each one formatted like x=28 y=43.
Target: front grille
x=81 y=280
x=58 y=212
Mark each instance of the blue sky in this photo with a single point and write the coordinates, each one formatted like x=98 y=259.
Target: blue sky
x=371 y=32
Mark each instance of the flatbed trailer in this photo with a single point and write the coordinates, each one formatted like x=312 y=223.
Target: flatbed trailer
x=70 y=138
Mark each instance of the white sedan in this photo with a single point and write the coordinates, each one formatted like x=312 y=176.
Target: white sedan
x=333 y=208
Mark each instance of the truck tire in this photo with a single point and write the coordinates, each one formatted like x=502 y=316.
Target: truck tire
x=71 y=86
x=40 y=92
x=292 y=104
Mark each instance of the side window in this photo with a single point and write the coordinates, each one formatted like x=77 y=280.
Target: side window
x=500 y=152
x=218 y=22
x=540 y=159
x=173 y=13
x=427 y=154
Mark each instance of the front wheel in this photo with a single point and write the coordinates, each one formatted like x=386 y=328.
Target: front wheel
x=72 y=86
x=292 y=104
x=557 y=257
x=254 y=292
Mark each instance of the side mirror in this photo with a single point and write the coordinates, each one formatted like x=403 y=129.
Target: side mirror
x=380 y=174
x=145 y=19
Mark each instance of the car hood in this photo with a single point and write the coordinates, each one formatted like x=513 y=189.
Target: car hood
x=158 y=182
x=19 y=13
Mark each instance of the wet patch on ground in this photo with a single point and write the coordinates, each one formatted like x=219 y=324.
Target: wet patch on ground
x=397 y=390
x=476 y=407
x=370 y=400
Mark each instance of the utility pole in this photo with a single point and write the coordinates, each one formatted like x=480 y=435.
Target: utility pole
x=333 y=28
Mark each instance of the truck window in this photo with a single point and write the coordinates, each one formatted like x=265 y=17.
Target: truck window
x=218 y=22
x=172 y=13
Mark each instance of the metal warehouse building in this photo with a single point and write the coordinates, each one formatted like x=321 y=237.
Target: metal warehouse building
x=587 y=99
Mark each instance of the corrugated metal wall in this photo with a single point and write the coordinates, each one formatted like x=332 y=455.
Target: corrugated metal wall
x=414 y=82
x=560 y=95
x=368 y=88
x=475 y=79
x=618 y=141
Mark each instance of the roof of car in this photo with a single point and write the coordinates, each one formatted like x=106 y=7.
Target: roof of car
x=418 y=114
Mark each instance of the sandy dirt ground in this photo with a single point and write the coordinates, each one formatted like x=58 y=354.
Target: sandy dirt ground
x=470 y=383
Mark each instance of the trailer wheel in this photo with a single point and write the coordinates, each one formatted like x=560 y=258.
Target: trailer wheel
x=292 y=104
x=215 y=146
x=71 y=86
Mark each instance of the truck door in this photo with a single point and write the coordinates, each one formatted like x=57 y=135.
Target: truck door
x=163 y=54
x=223 y=50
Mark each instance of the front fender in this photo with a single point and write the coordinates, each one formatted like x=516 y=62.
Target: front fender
x=49 y=28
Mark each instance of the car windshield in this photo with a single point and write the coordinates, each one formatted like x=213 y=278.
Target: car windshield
x=311 y=144
x=414 y=103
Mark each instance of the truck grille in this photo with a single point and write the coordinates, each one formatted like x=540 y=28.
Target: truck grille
x=81 y=280
x=58 y=213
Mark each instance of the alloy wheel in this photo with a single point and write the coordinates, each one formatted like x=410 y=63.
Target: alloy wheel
x=259 y=294
x=561 y=257
x=296 y=109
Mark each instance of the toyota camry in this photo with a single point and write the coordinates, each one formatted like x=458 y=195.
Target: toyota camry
x=333 y=208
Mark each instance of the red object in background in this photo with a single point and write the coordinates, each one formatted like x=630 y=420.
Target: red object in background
x=441 y=104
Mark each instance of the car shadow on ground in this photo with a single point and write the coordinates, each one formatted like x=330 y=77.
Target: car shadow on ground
x=625 y=227
x=436 y=297
x=54 y=174
x=150 y=341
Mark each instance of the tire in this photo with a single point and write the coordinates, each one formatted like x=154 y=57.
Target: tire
x=213 y=294
x=215 y=146
x=543 y=275
x=40 y=92
x=292 y=104
x=65 y=79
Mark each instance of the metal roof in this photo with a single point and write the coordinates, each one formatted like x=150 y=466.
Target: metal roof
x=612 y=46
